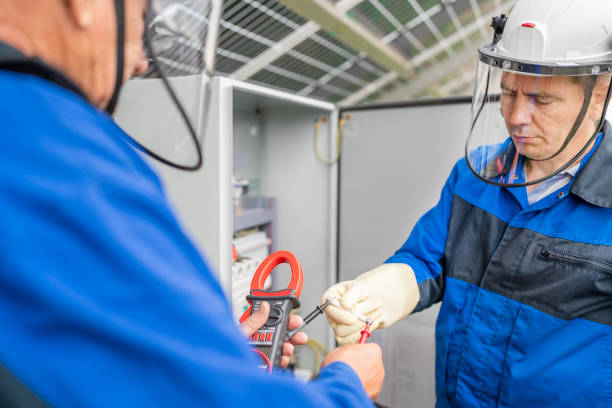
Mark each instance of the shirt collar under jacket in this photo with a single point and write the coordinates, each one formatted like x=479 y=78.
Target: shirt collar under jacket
x=594 y=182
x=552 y=184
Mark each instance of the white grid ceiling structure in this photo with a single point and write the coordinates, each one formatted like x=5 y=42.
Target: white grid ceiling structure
x=266 y=42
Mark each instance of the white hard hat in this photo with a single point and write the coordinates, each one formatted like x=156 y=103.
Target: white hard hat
x=539 y=85
x=559 y=37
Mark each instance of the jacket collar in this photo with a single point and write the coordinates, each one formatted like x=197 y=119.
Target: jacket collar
x=12 y=59
x=594 y=181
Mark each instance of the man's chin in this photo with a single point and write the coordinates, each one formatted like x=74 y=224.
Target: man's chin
x=531 y=153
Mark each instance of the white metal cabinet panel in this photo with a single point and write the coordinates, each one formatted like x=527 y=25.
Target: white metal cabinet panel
x=395 y=162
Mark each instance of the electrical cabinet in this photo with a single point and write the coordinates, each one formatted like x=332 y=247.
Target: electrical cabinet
x=264 y=137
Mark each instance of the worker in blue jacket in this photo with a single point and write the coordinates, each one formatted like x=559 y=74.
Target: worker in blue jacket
x=519 y=247
x=104 y=302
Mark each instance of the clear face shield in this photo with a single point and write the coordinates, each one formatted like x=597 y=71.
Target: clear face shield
x=165 y=110
x=531 y=122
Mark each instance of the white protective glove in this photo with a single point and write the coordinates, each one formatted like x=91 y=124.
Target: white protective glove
x=385 y=294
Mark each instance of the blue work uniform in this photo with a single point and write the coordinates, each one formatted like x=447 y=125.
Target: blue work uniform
x=526 y=290
x=104 y=302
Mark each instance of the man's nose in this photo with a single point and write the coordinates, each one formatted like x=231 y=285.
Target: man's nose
x=522 y=110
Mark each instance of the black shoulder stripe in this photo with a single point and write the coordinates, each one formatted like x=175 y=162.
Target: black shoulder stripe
x=14 y=394
x=563 y=278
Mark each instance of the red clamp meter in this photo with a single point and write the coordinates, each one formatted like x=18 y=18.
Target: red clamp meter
x=269 y=339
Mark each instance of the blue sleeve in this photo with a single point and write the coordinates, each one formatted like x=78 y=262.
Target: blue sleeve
x=424 y=248
x=104 y=302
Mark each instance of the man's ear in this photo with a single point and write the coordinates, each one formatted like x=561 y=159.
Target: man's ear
x=600 y=92
x=81 y=12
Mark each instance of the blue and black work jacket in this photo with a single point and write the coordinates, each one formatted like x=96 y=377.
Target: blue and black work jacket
x=104 y=301
x=526 y=290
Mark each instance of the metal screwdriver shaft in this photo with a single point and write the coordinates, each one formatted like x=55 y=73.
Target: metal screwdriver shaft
x=358 y=315
x=365 y=333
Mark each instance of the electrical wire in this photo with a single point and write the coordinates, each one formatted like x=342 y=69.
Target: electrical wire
x=317 y=357
x=265 y=358
x=338 y=143
x=320 y=352
x=318 y=344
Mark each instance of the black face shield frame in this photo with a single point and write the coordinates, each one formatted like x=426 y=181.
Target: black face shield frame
x=209 y=54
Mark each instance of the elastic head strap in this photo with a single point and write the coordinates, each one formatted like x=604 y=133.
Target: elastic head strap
x=120 y=13
x=588 y=94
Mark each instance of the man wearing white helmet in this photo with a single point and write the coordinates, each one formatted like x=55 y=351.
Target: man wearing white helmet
x=104 y=300
x=519 y=247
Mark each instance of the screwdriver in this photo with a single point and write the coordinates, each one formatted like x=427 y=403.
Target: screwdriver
x=316 y=312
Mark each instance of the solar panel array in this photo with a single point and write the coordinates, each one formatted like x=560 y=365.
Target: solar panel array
x=265 y=42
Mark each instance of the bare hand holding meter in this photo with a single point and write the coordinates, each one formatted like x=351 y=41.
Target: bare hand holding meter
x=259 y=318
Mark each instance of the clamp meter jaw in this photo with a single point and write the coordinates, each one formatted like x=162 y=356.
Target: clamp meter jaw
x=269 y=339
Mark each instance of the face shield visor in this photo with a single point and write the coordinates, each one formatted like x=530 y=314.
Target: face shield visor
x=531 y=122
x=165 y=110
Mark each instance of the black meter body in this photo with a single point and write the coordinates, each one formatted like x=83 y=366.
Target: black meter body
x=269 y=339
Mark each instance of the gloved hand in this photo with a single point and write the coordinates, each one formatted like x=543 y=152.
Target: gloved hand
x=385 y=294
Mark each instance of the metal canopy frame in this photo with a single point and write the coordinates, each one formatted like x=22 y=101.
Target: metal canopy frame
x=356 y=51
